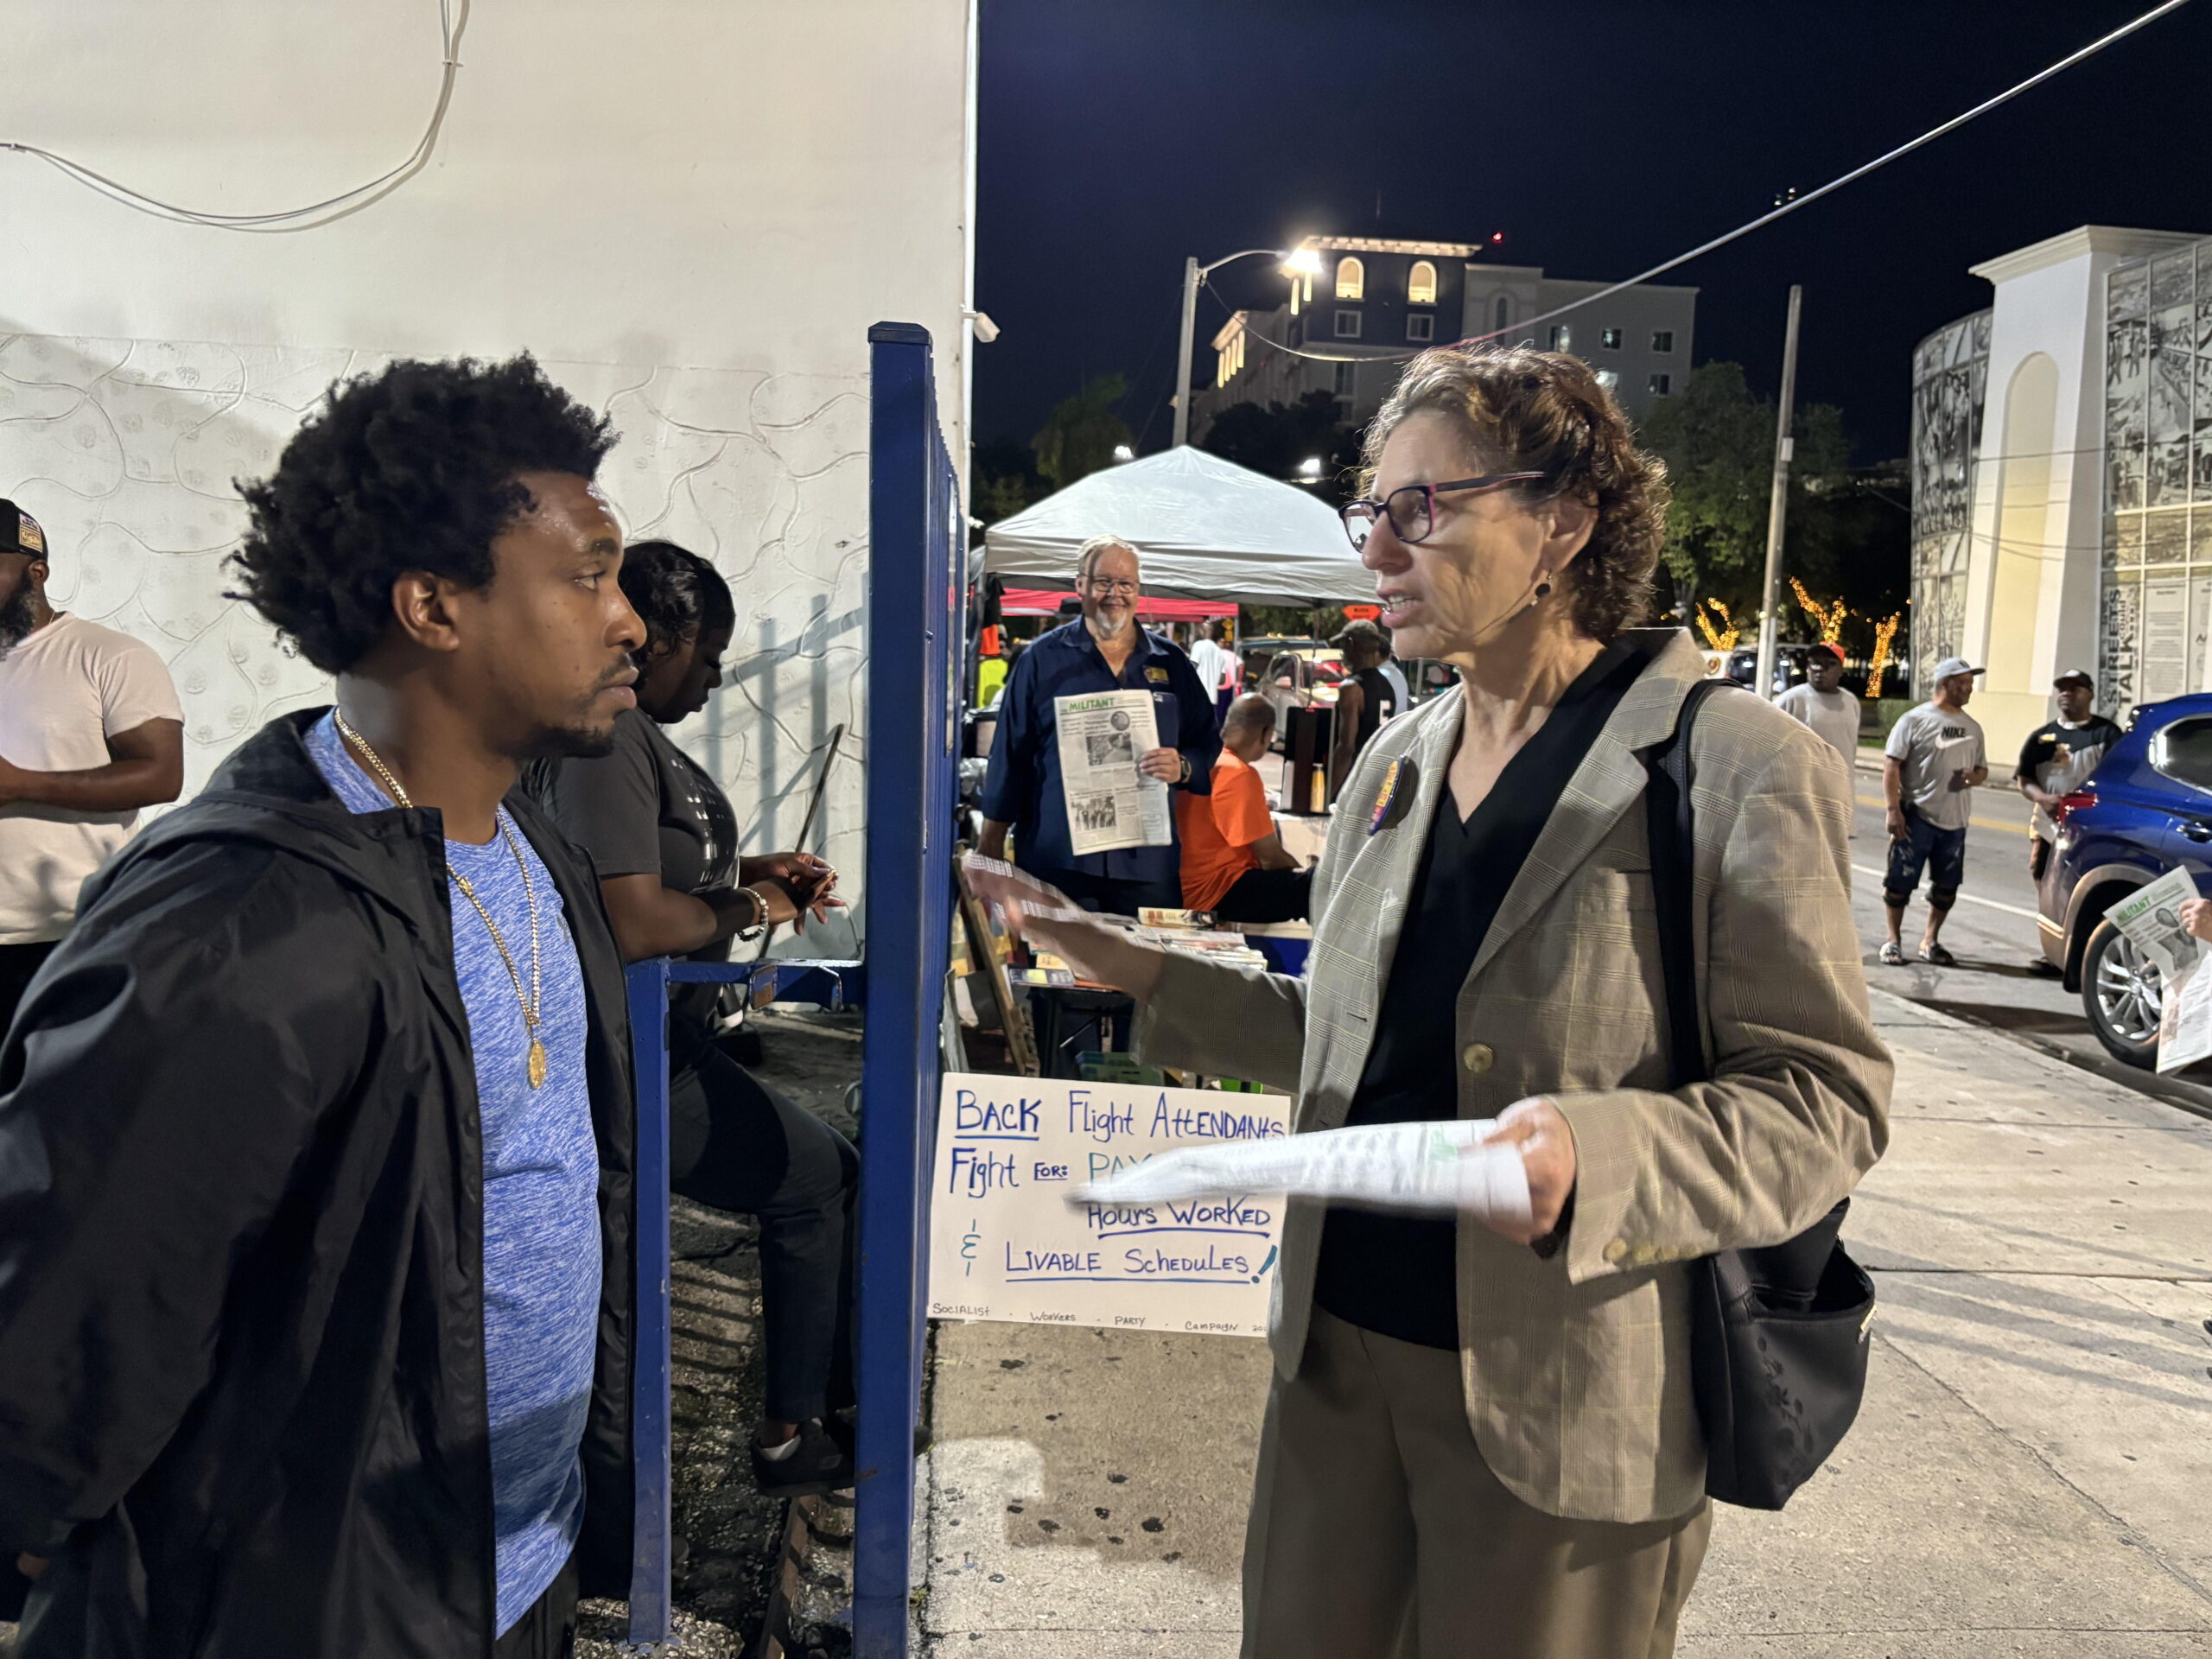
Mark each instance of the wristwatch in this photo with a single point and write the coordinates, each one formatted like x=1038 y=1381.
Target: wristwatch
x=1186 y=777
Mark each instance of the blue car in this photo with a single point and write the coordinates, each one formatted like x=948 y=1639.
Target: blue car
x=2144 y=810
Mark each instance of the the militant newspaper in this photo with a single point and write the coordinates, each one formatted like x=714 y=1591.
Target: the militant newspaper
x=1110 y=803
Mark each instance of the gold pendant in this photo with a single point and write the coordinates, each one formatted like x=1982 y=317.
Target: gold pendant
x=537 y=1064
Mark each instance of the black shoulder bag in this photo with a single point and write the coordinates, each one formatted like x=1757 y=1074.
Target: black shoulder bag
x=1778 y=1335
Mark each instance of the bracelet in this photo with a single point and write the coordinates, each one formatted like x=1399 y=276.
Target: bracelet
x=759 y=924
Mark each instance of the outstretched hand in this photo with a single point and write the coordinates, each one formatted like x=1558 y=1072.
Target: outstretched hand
x=1044 y=915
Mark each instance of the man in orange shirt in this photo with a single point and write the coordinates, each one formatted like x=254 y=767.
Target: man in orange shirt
x=1233 y=860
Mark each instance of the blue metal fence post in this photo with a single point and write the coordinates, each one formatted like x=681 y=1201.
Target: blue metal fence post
x=649 y=1380
x=912 y=649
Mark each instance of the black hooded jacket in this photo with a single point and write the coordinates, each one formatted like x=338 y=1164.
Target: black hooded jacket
x=242 y=1382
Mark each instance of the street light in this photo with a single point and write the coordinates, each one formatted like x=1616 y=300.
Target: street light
x=1309 y=470
x=1296 y=262
x=1122 y=452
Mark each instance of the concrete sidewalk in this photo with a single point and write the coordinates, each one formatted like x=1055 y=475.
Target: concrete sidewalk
x=2031 y=1475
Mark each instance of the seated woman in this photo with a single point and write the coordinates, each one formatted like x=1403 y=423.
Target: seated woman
x=664 y=840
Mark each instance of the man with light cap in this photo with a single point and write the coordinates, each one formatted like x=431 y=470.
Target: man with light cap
x=1934 y=759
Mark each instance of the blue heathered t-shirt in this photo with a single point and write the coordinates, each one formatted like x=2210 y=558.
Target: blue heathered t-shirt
x=540 y=1196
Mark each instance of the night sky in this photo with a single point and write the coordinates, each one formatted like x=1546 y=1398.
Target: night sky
x=1118 y=135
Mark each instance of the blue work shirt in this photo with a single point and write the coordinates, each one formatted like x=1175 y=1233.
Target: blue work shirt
x=1023 y=786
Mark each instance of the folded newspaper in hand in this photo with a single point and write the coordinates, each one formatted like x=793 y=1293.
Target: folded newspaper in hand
x=1417 y=1166
x=2150 y=918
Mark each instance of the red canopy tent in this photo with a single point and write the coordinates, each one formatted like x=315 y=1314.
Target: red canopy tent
x=1045 y=602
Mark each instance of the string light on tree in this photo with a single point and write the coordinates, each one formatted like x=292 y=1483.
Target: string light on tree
x=1828 y=618
x=1885 y=632
x=1722 y=637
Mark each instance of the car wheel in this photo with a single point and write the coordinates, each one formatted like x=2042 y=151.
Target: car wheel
x=2120 y=991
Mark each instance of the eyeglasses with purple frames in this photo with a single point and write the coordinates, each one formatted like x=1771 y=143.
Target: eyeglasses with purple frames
x=1412 y=510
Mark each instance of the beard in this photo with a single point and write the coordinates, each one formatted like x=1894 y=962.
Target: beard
x=16 y=619
x=580 y=741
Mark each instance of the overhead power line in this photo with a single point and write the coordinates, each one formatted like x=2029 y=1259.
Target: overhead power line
x=1787 y=207
x=1857 y=172
x=453 y=23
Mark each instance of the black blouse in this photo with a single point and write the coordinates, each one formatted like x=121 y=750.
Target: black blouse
x=1397 y=1275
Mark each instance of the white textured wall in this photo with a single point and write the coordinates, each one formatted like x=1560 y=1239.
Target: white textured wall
x=691 y=210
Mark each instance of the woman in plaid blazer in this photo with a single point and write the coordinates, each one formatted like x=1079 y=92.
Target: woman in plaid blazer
x=1480 y=1439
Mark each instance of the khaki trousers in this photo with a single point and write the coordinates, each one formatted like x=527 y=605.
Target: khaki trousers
x=1379 y=1529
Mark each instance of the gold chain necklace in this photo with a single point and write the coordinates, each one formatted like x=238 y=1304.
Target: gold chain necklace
x=533 y=1002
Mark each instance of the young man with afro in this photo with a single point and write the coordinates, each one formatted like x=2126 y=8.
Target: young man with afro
x=315 y=1135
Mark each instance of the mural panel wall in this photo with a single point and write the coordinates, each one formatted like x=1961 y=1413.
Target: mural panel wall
x=1950 y=378
x=126 y=451
x=2157 y=608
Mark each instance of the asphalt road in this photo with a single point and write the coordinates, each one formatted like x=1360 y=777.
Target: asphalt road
x=1992 y=931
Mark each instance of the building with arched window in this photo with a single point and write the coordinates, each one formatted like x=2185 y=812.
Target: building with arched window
x=2061 y=477
x=1381 y=300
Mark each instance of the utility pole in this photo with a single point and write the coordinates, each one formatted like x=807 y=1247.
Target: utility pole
x=1183 y=356
x=1778 y=507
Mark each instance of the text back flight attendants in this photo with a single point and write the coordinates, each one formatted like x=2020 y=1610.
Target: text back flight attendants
x=1481 y=1441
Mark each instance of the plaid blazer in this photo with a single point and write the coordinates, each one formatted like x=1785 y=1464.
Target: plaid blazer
x=1576 y=1364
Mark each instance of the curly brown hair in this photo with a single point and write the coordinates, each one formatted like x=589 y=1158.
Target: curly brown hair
x=1526 y=410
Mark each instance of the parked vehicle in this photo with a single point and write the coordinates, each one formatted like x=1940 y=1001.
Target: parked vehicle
x=2144 y=810
x=1298 y=679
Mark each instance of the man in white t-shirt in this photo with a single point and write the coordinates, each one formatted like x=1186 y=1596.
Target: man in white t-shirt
x=1823 y=704
x=1933 y=763
x=1214 y=661
x=89 y=732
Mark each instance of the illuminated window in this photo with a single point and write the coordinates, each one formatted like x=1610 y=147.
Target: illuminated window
x=1351 y=280
x=1608 y=379
x=1662 y=339
x=1420 y=328
x=1230 y=363
x=1610 y=339
x=1421 y=285
x=1562 y=337
x=1661 y=384
x=1347 y=325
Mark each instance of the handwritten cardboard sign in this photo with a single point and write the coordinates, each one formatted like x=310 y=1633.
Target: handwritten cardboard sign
x=1005 y=1244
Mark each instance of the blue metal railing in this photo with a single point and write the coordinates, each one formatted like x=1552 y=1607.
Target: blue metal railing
x=916 y=587
x=917 y=546
x=833 y=984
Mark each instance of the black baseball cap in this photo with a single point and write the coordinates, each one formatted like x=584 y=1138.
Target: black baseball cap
x=20 y=532
x=2075 y=677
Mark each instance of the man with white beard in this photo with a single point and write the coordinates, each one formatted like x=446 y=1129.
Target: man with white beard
x=1102 y=649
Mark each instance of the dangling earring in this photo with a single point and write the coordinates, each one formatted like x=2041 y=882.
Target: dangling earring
x=1543 y=588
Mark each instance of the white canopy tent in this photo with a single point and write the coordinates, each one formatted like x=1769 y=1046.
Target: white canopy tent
x=1207 y=528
